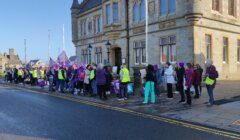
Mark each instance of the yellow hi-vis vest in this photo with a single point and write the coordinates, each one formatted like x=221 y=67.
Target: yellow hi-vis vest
x=126 y=77
x=92 y=75
x=20 y=73
x=4 y=73
x=34 y=73
x=60 y=76
x=42 y=74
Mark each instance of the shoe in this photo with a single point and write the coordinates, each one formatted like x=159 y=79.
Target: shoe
x=209 y=105
x=169 y=98
x=176 y=92
x=196 y=97
x=144 y=102
x=182 y=101
x=125 y=98
x=120 y=99
x=187 y=105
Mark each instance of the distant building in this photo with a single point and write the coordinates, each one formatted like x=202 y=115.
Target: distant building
x=178 y=30
x=36 y=64
x=9 y=61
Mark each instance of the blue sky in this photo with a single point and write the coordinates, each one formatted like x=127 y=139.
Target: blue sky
x=31 y=20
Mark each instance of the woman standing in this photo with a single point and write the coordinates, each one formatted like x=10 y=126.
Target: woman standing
x=196 y=81
x=101 y=82
x=86 y=79
x=180 y=81
x=149 y=86
x=109 y=79
x=169 y=79
x=189 y=80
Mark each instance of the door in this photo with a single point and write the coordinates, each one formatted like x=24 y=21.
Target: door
x=118 y=57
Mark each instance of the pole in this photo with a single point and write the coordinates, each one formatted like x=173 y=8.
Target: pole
x=127 y=26
x=63 y=39
x=146 y=4
x=48 y=44
x=25 y=50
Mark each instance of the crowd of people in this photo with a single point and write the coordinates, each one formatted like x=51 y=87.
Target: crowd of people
x=99 y=80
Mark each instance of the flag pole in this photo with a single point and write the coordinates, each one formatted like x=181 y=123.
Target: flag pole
x=48 y=44
x=146 y=30
x=63 y=39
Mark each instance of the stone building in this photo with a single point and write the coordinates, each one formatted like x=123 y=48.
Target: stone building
x=9 y=61
x=178 y=30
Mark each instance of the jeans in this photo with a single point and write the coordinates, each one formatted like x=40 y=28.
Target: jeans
x=94 y=87
x=189 y=98
x=123 y=90
x=71 y=85
x=210 y=94
x=57 y=84
x=196 y=87
x=181 y=90
x=62 y=85
x=50 y=79
x=149 y=88
x=102 y=91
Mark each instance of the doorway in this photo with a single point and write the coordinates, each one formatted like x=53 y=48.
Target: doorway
x=118 y=57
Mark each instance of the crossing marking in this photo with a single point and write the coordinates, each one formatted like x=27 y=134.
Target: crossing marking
x=158 y=118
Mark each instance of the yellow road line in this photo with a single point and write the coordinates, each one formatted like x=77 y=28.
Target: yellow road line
x=158 y=118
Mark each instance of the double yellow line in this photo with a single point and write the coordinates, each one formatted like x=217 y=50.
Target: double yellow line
x=158 y=118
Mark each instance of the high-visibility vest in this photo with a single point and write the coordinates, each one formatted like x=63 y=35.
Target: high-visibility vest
x=20 y=73
x=34 y=73
x=42 y=74
x=60 y=76
x=4 y=73
x=92 y=75
x=126 y=77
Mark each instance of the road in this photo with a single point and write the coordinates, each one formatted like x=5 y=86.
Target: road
x=29 y=115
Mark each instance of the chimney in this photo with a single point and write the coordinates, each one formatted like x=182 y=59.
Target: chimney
x=11 y=53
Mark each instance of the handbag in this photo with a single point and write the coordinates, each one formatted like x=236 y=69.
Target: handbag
x=209 y=81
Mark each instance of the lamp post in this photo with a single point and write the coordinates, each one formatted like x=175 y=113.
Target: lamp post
x=108 y=45
x=89 y=52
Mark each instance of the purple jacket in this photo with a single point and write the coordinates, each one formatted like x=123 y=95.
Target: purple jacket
x=101 y=77
x=189 y=77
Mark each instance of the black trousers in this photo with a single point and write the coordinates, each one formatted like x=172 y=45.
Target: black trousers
x=189 y=98
x=102 y=91
x=196 y=87
x=169 y=90
x=181 y=90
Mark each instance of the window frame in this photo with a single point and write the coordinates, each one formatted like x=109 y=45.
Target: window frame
x=108 y=14
x=117 y=14
x=170 y=48
x=208 y=44
x=225 y=50
x=167 y=11
x=232 y=8
x=98 y=55
x=238 y=51
x=139 y=49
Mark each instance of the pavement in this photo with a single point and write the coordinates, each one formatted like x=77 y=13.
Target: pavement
x=28 y=115
x=223 y=116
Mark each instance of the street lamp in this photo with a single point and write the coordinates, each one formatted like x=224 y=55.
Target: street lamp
x=90 y=51
x=108 y=45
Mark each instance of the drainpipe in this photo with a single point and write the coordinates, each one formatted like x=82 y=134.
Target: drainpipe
x=127 y=30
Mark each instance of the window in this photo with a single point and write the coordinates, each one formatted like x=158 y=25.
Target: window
x=135 y=13
x=90 y=27
x=231 y=7
x=115 y=12
x=238 y=52
x=98 y=55
x=108 y=14
x=208 y=46
x=216 y=5
x=168 y=49
x=225 y=49
x=85 y=56
x=171 y=6
x=97 y=26
x=167 y=7
x=142 y=10
x=140 y=52
x=83 y=28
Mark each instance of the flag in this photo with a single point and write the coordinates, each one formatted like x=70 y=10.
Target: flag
x=52 y=62
x=63 y=59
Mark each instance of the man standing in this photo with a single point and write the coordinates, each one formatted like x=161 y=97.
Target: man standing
x=62 y=78
x=125 y=79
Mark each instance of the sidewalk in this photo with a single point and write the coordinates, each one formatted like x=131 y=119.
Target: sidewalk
x=225 y=115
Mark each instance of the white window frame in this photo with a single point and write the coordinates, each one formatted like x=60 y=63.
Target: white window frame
x=169 y=45
x=208 y=44
x=225 y=50
x=139 y=48
x=98 y=55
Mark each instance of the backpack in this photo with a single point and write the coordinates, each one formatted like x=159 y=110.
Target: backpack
x=82 y=75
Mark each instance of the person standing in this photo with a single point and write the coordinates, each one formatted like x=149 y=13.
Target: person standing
x=124 y=80
x=196 y=81
x=189 y=81
x=5 y=75
x=211 y=76
x=35 y=76
x=62 y=77
x=180 y=81
x=169 y=74
x=109 y=79
x=93 y=80
x=158 y=79
x=149 y=86
x=86 y=79
x=200 y=77
x=101 y=82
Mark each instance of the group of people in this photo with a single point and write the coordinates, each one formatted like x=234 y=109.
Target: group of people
x=98 y=80
x=187 y=79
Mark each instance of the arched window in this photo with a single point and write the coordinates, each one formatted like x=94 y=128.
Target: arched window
x=135 y=13
x=142 y=10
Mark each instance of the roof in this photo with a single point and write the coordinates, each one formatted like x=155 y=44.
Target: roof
x=89 y=4
x=75 y=4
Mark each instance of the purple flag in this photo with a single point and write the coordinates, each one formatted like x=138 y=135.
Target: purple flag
x=52 y=62
x=63 y=59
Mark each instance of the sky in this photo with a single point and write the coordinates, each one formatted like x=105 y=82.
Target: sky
x=31 y=20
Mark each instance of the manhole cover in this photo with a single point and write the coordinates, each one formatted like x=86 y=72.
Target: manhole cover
x=237 y=122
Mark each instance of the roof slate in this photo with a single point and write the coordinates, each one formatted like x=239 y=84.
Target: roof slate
x=89 y=4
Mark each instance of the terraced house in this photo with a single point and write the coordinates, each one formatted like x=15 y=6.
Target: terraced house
x=178 y=30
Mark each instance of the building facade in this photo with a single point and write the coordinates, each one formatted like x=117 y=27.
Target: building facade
x=178 y=30
x=9 y=61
